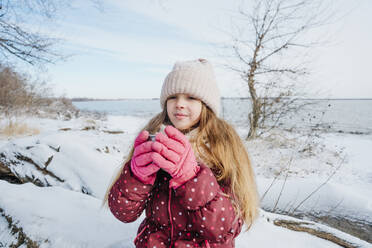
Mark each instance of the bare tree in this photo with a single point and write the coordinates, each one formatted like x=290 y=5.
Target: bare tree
x=20 y=41
x=20 y=35
x=269 y=34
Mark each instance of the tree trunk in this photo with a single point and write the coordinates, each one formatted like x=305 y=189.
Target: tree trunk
x=254 y=115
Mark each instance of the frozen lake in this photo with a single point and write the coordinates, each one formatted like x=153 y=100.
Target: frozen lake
x=352 y=115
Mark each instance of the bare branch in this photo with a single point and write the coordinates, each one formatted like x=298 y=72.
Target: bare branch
x=18 y=39
x=268 y=188
x=293 y=71
x=283 y=185
x=320 y=186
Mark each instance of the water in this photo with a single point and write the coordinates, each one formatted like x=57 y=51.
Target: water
x=135 y=107
x=340 y=115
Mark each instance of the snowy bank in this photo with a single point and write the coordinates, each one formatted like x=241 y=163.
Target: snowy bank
x=73 y=165
x=57 y=217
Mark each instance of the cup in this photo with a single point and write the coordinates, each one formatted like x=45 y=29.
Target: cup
x=152 y=137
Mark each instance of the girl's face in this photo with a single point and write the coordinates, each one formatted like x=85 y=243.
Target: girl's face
x=183 y=111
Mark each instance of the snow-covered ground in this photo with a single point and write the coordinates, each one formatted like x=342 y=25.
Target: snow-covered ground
x=77 y=159
x=341 y=167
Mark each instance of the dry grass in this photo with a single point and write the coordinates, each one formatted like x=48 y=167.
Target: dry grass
x=15 y=128
x=90 y=122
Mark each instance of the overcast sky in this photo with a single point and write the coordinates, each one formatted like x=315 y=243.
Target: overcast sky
x=126 y=50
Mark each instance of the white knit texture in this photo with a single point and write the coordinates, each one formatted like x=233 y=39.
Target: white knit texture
x=195 y=78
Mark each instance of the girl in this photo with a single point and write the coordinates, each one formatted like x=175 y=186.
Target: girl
x=195 y=180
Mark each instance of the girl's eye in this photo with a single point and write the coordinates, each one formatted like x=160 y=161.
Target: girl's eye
x=192 y=98
x=172 y=97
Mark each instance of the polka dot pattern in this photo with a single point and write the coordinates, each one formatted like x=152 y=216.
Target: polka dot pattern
x=128 y=197
x=199 y=191
x=194 y=213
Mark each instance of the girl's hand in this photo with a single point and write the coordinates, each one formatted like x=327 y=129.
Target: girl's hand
x=142 y=165
x=173 y=153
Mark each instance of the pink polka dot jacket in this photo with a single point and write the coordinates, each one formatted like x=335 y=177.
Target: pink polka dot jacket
x=196 y=214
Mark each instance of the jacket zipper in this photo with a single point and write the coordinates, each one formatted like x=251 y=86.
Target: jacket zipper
x=207 y=244
x=171 y=222
x=139 y=234
x=170 y=216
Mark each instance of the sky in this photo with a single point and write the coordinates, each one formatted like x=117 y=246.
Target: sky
x=126 y=48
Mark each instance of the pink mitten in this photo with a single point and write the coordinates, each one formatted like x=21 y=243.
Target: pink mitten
x=173 y=153
x=141 y=164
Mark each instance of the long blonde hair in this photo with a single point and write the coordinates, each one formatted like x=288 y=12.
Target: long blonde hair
x=218 y=145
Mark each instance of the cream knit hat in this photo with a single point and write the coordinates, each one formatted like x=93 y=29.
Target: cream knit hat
x=195 y=78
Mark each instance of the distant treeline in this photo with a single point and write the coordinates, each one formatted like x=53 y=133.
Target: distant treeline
x=86 y=99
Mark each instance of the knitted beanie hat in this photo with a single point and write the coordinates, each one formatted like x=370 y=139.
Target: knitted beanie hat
x=195 y=78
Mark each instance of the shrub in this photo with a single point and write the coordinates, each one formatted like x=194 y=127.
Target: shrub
x=20 y=95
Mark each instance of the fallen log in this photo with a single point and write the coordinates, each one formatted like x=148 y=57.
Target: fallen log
x=302 y=226
x=319 y=230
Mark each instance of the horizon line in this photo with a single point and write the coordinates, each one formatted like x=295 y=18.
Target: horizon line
x=81 y=99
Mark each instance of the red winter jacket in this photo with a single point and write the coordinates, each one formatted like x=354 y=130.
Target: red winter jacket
x=196 y=214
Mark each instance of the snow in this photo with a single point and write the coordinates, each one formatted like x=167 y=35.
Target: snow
x=71 y=219
x=69 y=213
x=358 y=148
x=265 y=234
x=333 y=197
x=63 y=217
x=292 y=241
x=342 y=164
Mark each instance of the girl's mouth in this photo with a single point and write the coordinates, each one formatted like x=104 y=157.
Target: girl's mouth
x=180 y=116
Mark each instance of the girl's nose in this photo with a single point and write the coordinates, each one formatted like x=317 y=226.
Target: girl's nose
x=180 y=103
